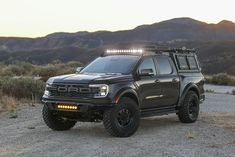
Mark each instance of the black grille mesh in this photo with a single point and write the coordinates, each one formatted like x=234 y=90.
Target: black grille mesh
x=84 y=91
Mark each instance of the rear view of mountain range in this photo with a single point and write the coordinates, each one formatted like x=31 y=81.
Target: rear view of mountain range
x=215 y=42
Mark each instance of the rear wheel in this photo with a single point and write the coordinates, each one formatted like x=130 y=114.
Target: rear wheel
x=189 y=109
x=123 y=120
x=56 y=122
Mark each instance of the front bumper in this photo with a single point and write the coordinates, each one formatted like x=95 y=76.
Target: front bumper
x=84 y=105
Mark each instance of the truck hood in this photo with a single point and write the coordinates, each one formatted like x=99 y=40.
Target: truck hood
x=89 y=78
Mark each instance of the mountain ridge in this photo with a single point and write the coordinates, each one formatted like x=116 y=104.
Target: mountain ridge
x=186 y=29
x=215 y=42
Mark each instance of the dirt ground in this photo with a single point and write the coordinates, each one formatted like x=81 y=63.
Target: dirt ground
x=213 y=135
x=225 y=120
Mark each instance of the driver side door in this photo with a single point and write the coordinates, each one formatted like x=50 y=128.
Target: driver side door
x=148 y=84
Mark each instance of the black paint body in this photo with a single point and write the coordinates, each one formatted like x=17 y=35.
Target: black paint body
x=155 y=95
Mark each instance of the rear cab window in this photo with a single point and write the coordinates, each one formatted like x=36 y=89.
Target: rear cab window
x=187 y=62
x=182 y=63
x=192 y=62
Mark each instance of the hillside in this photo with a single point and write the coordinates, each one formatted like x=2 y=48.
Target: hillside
x=216 y=43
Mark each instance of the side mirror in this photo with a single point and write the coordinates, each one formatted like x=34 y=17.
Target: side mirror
x=146 y=72
x=79 y=69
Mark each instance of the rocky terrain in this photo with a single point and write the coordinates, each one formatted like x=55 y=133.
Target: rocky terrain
x=213 y=135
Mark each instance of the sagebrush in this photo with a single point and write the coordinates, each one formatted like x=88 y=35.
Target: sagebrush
x=22 y=87
x=221 y=79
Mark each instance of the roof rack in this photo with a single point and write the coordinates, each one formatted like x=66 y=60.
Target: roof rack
x=161 y=49
x=147 y=50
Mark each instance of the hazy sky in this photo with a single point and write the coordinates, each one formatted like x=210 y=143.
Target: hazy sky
x=33 y=18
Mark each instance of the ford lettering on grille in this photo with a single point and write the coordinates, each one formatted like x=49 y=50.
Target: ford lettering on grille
x=72 y=89
x=69 y=91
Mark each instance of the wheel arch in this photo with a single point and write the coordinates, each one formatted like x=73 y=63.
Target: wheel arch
x=130 y=93
x=189 y=87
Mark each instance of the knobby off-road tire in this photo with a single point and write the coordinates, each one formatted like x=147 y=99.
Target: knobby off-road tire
x=189 y=110
x=55 y=122
x=123 y=120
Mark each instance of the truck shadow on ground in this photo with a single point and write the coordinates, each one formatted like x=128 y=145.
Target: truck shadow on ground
x=159 y=122
x=146 y=125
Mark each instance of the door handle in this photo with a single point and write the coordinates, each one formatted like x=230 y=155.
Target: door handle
x=157 y=81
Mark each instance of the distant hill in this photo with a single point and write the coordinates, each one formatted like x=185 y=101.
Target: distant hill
x=216 y=43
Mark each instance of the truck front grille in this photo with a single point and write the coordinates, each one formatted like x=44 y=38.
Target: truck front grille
x=70 y=94
x=70 y=90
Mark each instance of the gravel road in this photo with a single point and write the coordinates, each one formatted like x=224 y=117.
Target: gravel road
x=163 y=136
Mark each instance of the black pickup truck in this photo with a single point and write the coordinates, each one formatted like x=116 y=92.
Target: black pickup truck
x=121 y=86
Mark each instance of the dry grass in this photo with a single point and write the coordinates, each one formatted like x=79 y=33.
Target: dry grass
x=8 y=104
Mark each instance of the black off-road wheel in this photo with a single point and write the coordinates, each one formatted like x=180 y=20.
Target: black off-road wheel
x=189 y=110
x=56 y=122
x=123 y=120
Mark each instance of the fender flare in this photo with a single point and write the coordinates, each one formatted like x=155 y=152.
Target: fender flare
x=124 y=91
x=188 y=87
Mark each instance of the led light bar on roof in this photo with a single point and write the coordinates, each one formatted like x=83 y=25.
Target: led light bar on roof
x=134 y=51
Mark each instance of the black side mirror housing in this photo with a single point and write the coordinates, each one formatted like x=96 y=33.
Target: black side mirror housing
x=79 y=69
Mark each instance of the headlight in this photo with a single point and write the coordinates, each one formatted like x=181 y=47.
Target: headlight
x=100 y=90
x=46 y=93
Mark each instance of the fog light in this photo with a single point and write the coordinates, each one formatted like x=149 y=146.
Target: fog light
x=67 y=107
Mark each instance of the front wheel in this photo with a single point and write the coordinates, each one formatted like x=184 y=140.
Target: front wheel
x=56 y=122
x=189 y=109
x=123 y=120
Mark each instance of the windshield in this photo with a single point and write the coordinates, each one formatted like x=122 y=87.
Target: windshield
x=112 y=65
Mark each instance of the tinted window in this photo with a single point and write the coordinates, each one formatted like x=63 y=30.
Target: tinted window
x=192 y=62
x=112 y=64
x=182 y=62
x=164 y=65
x=147 y=64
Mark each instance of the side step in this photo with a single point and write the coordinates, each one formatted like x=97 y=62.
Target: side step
x=158 y=111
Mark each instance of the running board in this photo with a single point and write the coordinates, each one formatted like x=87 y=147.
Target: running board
x=158 y=111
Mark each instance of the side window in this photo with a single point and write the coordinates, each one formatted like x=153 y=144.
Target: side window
x=148 y=64
x=163 y=65
x=182 y=62
x=192 y=62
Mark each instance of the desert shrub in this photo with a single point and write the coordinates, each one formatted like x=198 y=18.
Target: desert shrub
x=14 y=70
x=46 y=71
x=7 y=71
x=74 y=64
x=17 y=69
x=55 y=69
x=2 y=80
x=22 y=88
x=221 y=79
x=70 y=67
x=26 y=67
